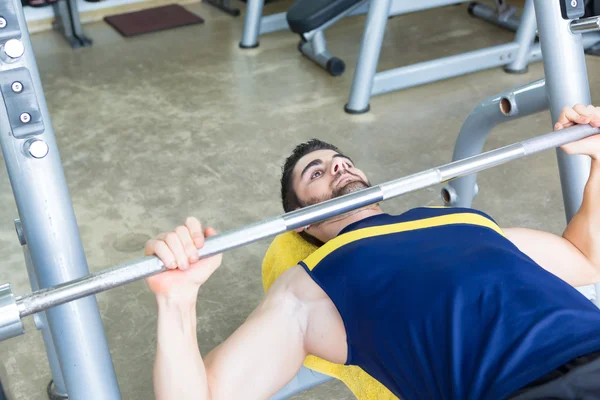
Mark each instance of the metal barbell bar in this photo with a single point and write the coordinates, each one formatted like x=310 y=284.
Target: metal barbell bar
x=13 y=309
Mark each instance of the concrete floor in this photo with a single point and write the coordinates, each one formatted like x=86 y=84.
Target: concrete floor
x=182 y=122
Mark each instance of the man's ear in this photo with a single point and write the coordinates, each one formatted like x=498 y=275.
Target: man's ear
x=304 y=228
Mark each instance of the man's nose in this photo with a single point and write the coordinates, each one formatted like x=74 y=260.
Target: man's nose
x=338 y=166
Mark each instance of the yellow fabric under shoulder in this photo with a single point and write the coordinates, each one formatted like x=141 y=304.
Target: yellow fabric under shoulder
x=451 y=219
x=285 y=252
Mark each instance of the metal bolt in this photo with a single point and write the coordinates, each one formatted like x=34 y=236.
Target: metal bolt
x=573 y=3
x=25 y=118
x=17 y=87
x=12 y=50
x=2 y=22
x=37 y=148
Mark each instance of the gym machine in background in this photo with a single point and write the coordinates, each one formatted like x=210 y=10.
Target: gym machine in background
x=67 y=22
x=72 y=331
x=310 y=19
x=514 y=56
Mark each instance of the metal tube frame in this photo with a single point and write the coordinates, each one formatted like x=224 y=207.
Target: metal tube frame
x=567 y=84
x=525 y=36
x=316 y=50
x=504 y=20
x=45 y=210
x=368 y=83
x=41 y=322
x=305 y=379
x=507 y=106
x=585 y=25
x=314 y=45
x=523 y=101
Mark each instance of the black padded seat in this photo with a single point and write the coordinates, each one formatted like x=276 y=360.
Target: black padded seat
x=307 y=15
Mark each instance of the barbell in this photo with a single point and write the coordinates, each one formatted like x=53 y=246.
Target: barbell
x=13 y=309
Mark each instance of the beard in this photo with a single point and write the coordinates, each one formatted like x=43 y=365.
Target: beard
x=347 y=188
x=350 y=187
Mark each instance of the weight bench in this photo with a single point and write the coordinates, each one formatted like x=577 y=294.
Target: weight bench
x=255 y=24
x=309 y=18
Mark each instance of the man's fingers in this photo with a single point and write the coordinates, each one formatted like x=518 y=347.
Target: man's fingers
x=174 y=243
x=195 y=228
x=210 y=231
x=568 y=116
x=159 y=248
x=187 y=242
x=588 y=114
x=595 y=113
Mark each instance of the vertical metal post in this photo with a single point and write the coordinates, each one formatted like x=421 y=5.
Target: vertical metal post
x=254 y=10
x=41 y=322
x=525 y=37
x=368 y=58
x=67 y=21
x=46 y=213
x=566 y=85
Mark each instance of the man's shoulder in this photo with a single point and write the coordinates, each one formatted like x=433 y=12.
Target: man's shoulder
x=297 y=282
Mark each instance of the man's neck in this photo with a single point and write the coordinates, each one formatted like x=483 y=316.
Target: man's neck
x=331 y=228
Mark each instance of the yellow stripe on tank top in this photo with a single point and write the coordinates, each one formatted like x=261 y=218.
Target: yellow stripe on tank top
x=451 y=219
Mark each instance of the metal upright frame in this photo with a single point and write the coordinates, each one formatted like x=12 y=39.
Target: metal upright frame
x=566 y=84
x=73 y=333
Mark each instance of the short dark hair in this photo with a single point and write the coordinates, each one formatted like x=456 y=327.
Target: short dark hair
x=289 y=198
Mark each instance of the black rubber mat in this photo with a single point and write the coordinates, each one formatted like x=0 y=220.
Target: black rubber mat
x=152 y=20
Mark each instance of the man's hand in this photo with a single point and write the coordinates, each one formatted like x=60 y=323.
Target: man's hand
x=580 y=114
x=178 y=251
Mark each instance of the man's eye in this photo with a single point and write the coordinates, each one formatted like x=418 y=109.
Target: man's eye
x=315 y=174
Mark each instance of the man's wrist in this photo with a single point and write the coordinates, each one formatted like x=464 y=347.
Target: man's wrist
x=177 y=301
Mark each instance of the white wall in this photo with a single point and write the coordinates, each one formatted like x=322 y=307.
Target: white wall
x=34 y=14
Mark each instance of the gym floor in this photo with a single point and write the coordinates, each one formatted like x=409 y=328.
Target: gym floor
x=182 y=122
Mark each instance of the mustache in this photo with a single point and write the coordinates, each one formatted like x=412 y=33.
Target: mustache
x=342 y=175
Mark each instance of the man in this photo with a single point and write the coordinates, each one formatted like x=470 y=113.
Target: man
x=504 y=320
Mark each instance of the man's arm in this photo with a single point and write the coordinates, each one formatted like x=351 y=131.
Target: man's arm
x=258 y=359
x=265 y=353
x=179 y=371
x=574 y=257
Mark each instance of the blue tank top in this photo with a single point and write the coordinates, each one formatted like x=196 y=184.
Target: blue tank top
x=438 y=304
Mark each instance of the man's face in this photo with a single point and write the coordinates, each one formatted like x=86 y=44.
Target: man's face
x=326 y=174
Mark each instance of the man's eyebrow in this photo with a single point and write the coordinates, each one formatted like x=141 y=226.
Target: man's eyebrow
x=310 y=165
